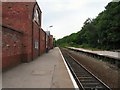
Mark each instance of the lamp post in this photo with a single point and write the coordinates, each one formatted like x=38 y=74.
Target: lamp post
x=47 y=39
x=49 y=27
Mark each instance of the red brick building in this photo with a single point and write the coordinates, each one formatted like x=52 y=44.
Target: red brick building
x=21 y=25
x=11 y=47
x=51 y=41
x=47 y=40
x=42 y=41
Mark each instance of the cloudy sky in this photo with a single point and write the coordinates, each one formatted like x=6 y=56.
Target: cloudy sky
x=68 y=16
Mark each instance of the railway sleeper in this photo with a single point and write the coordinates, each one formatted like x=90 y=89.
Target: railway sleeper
x=85 y=77
x=92 y=85
x=88 y=81
x=94 y=88
x=82 y=73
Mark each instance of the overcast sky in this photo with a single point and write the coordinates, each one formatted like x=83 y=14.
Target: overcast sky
x=68 y=16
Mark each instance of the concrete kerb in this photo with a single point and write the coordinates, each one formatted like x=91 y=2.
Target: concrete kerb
x=69 y=72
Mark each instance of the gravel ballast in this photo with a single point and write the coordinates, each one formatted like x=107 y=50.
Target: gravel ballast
x=107 y=72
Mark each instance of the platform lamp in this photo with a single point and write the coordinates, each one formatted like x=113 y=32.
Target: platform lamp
x=50 y=27
x=48 y=33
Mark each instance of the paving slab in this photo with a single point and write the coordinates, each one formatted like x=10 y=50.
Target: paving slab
x=47 y=71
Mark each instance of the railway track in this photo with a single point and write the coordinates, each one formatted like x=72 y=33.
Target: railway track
x=84 y=78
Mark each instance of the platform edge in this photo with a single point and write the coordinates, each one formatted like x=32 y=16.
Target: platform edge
x=69 y=72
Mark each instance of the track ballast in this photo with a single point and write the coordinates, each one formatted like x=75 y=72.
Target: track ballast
x=84 y=78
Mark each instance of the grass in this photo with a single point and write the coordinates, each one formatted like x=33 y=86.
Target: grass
x=84 y=46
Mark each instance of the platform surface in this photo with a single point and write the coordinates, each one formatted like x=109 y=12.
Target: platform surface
x=107 y=53
x=47 y=71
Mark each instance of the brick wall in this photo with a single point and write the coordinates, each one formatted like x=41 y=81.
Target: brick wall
x=18 y=20
x=35 y=41
x=22 y=37
x=11 y=47
x=36 y=32
x=18 y=15
x=42 y=41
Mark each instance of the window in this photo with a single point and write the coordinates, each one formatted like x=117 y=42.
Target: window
x=36 y=44
x=36 y=16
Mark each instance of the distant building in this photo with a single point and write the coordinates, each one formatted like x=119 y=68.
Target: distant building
x=51 y=41
x=47 y=40
x=48 y=33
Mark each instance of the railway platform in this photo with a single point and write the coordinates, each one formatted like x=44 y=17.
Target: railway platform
x=104 y=53
x=47 y=71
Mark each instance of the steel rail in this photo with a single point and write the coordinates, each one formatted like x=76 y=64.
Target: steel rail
x=84 y=78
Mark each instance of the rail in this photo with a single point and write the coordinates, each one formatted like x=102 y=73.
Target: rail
x=84 y=78
x=112 y=60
